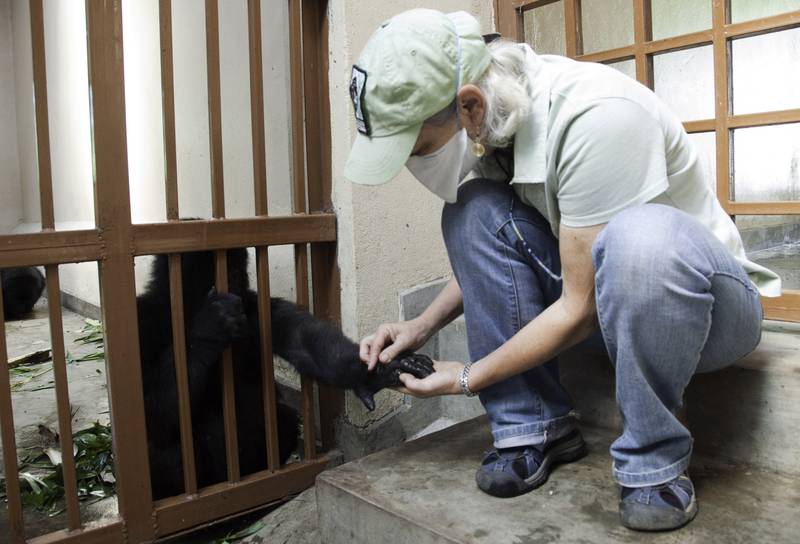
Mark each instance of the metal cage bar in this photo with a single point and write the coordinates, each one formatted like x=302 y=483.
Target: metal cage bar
x=261 y=209
x=16 y=521
x=62 y=397
x=182 y=373
x=168 y=107
x=722 y=100
x=299 y=205
x=324 y=266
x=117 y=282
x=218 y=211
x=114 y=243
x=175 y=267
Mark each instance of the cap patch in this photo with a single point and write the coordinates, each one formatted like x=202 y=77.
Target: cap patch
x=358 y=82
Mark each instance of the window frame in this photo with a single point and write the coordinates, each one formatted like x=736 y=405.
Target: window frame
x=721 y=35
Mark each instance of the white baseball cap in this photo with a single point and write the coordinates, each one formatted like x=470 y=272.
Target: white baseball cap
x=410 y=69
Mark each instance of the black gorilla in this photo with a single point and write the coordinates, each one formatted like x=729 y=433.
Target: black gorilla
x=22 y=287
x=213 y=322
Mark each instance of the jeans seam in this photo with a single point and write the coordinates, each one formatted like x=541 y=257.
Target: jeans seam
x=747 y=284
x=610 y=344
x=513 y=292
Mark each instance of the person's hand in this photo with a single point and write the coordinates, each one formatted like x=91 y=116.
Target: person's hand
x=442 y=382
x=392 y=339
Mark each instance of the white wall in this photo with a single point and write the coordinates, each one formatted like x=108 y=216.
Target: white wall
x=10 y=189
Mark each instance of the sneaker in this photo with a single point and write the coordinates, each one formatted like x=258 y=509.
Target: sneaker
x=510 y=472
x=660 y=507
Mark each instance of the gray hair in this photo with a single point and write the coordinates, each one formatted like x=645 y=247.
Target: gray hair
x=506 y=87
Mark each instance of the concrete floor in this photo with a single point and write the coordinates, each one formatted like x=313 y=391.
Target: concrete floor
x=424 y=491
x=34 y=403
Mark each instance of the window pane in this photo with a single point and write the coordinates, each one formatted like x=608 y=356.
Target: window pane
x=676 y=17
x=627 y=67
x=766 y=72
x=544 y=29
x=766 y=163
x=773 y=241
x=685 y=81
x=607 y=24
x=706 y=145
x=744 y=10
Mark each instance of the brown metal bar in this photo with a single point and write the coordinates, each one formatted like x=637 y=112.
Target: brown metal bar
x=642 y=33
x=155 y=238
x=722 y=109
x=702 y=125
x=117 y=282
x=762 y=208
x=267 y=364
x=228 y=393
x=781 y=117
x=168 y=106
x=262 y=253
x=784 y=308
x=509 y=20
x=299 y=204
x=257 y=106
x=324 y=265
x=218 y=211
x=214 y=109
x=42 y=115
x=678 y=43
x=51 y=247
x=62 y=397
x=112 y=533
x=13 y=498
x=177 y=513
x=696 y=39
x=182 y=373
x=526 y=5
x=572 y=21
x=775 y=23
x=612 y=55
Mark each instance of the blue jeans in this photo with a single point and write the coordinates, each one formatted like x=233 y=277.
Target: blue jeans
x=671 y=302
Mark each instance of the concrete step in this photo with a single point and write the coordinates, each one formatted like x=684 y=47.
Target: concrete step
x=424 y=491
x=747 y=413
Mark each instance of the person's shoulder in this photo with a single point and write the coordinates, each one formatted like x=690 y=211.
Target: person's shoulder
x=577 y=86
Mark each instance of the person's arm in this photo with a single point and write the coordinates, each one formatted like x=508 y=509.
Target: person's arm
x=569 y=320
x=391 y=339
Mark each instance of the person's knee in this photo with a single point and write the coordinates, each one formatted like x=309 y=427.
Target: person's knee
x=637 y=244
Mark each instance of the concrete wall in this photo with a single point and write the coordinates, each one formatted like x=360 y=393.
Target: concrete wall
x=389 y=236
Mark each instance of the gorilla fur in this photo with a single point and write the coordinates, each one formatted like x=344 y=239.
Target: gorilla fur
x=22 y=288
x=214 y=322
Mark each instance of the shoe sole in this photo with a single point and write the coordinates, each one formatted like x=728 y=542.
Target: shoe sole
x=643 y=517
x=567 y=452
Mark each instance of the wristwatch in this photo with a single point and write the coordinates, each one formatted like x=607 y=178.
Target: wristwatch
x=463 y=381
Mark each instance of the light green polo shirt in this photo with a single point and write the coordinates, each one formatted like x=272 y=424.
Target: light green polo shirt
x=597 y=142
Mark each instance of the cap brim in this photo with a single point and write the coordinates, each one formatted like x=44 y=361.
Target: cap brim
x=373 y=161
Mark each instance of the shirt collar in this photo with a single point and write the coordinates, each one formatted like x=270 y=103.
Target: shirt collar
x=530 y=158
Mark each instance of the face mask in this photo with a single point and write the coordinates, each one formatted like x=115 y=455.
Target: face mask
x=443 y=170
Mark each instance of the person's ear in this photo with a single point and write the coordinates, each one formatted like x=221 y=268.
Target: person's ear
x=471 y=109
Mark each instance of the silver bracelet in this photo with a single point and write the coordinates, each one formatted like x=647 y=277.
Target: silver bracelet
x=463 y=381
